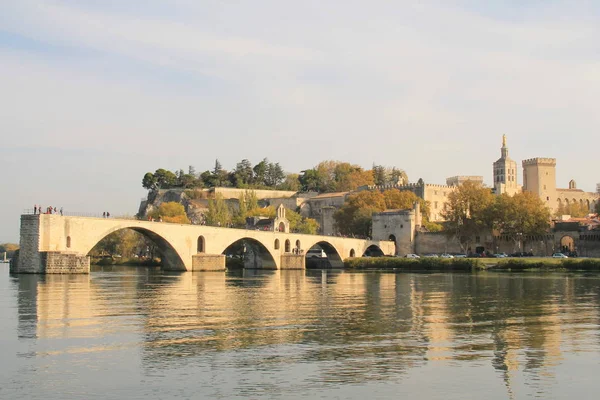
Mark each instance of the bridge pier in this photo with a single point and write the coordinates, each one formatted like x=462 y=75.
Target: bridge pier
x=208 y=262
x=292 y=261
x=30 y=260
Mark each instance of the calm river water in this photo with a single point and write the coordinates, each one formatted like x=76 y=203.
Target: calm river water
x=127 y=333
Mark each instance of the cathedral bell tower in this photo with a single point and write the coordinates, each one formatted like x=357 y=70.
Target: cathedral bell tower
x=505 y=172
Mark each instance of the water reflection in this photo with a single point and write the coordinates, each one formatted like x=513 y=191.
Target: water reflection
x=317 y=329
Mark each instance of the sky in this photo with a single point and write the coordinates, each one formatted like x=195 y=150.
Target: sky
x=95 y=93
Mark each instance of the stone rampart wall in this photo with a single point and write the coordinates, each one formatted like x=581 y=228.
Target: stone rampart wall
x=436 y=243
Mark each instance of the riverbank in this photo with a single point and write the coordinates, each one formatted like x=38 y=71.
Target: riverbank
x=472 y=264
x=137 y=262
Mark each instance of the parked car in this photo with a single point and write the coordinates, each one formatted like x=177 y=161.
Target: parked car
x=446 y=255
x=559 y=255
x=431 y=255
x=500 y=255
x=412 y=256
x=460 y=256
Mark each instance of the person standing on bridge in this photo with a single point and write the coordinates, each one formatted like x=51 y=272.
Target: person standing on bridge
x=34 y=209
x=61 y=211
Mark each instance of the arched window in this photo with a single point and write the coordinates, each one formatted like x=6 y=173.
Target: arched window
x=352 y=253
x=287 y=246
x=276 y=244
x=201 y=243
x=68 y=242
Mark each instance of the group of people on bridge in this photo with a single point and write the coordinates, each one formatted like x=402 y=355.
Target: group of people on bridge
x=49 y=210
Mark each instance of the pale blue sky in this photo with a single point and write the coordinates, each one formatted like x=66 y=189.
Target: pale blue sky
x=94 y=93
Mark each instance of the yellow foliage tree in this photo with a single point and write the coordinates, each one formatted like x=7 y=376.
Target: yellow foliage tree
x=171 y=211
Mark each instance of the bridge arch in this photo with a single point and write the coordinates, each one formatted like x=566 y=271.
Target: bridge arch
x=333 y=256
x=254 y=253
x=373 y=251
x=170 y=258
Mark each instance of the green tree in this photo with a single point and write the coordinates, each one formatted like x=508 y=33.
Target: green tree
x=300 y=224
x=466 y=212
x=312 y=180
x=518 y=216
x=165 y=179
x=244 y=175
x=291 y=182
x=207 y=179
x=274 y=175
x=218 y=213
x=260 y=172
x=149 y=182
x=219 y=176
x=379 y=174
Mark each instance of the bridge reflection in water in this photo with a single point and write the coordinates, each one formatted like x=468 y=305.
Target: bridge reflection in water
x=345 y=328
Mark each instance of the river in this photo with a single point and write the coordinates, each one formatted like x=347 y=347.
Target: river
x=138 y=333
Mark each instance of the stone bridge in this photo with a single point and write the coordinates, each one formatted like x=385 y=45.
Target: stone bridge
x=60 y=244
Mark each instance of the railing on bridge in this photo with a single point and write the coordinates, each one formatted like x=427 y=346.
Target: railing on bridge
x=30 y=211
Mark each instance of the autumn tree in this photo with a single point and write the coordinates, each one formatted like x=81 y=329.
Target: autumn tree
x=334 y=176
x=171 y=211
x=354 y=217
x=466 y=210
x=9 y=248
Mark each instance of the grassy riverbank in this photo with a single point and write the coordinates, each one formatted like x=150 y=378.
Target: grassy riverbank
x=473 y=264
x=412 y=264
x=546 y=264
